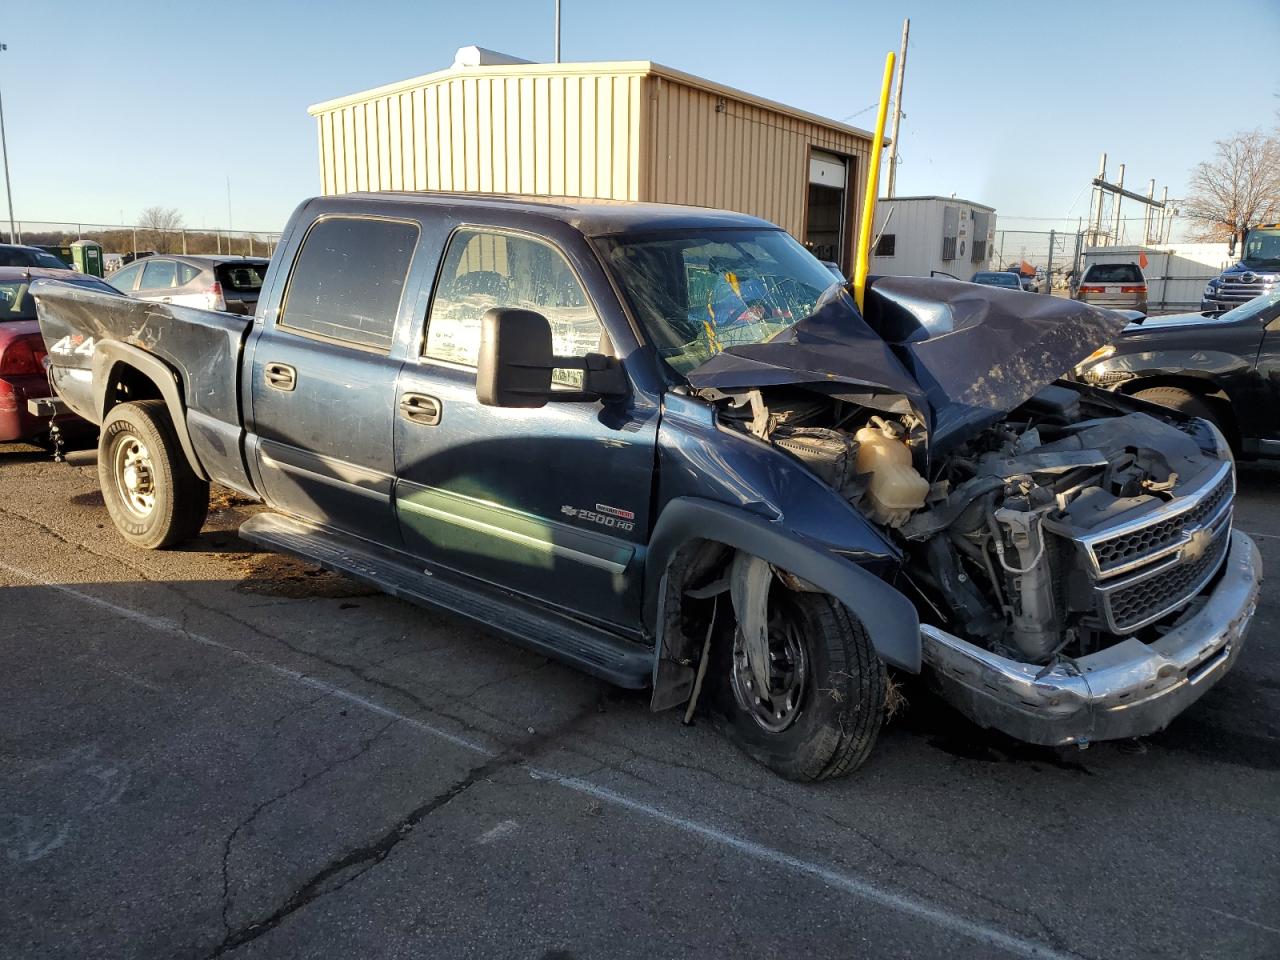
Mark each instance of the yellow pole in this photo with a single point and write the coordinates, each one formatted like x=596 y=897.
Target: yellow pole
x=862 y=259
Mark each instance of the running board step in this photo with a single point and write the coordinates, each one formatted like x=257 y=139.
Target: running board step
x=592 y=650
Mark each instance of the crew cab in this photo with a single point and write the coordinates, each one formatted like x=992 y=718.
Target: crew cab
x=1224 y=367
x=663 y=444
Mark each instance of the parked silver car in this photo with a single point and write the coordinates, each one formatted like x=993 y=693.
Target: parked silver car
x=211 y=283
x=1116 y=286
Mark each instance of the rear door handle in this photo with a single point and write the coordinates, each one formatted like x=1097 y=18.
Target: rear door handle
x=280 y=376
x=419 y=408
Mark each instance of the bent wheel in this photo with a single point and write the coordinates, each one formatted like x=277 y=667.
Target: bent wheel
x=824 y=704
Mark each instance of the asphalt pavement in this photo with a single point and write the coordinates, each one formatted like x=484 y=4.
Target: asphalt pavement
x=214 y=752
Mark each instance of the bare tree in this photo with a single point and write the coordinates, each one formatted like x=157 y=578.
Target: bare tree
x=160 y=226
x=1237 y=189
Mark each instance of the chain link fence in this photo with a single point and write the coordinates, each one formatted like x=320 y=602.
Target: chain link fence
x=1058 y=253
x=128 y=241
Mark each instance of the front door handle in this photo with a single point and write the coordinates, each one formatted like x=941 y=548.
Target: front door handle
x=419 y=408
x=280 y=376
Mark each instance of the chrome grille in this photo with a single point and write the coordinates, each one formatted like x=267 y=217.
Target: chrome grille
x=1147 y=568
x=1134 y=606
x=1137 y=545
x=1233 y=291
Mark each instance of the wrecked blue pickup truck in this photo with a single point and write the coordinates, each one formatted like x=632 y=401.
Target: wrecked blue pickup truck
x=663 y=444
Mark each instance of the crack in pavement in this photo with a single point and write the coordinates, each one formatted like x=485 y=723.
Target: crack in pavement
x=355 y=863
x=894 y=859
x=329 y=766
x=359 y=672
x=316 y=887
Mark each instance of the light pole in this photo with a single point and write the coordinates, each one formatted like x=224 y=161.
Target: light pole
x=557 y=31
x=8 y=185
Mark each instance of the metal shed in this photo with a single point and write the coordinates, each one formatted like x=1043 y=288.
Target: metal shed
x=915 y=236
x=631 y=130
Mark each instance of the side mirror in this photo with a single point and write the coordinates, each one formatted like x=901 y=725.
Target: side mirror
x=516 y=362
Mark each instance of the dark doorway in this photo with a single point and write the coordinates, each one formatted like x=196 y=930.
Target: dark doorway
x=827 y=208
x=826 y=217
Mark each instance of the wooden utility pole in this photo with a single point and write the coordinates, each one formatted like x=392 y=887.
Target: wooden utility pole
x=897 y=110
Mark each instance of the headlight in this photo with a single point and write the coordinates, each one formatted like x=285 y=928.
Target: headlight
x=1210 y=288
x=1221 y=448
x=1100 y=354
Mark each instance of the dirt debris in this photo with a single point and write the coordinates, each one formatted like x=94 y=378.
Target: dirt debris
x=279 y=575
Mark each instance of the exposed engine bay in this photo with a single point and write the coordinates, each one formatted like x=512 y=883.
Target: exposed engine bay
x=1065 y=527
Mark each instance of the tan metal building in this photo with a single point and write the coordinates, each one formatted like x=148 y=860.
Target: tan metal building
x=631 y=130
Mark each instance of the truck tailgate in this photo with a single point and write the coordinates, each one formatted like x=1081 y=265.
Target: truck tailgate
x=202 y=346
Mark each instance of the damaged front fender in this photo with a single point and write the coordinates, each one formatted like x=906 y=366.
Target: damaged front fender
x=890 y=619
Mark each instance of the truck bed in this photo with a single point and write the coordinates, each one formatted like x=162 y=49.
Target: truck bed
x=87 y=333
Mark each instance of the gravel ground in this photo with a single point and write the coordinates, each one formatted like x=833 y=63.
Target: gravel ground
x=214 y=751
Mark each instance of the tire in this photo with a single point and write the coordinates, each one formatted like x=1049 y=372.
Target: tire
x=153 y=496
x=841 y=700
x=1184 y=401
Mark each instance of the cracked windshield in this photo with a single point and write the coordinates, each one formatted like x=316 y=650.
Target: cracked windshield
x=697 y=295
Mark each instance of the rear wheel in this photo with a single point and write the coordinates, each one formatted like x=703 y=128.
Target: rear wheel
x=824 y=705
x=1184 y=401
x=153 y=496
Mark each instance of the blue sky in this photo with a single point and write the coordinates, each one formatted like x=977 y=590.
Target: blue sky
x=159 y=103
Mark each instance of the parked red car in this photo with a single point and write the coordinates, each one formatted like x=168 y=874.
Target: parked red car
x=22 y=351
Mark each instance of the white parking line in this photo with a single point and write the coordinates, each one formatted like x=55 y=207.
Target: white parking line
x=849 y=883
x=1265 y=536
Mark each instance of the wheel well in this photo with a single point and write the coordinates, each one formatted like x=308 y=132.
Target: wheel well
x=1206 y=390
x=695 y=564
x=126 y=384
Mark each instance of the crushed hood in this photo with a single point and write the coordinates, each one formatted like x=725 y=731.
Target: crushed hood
x=960 y=354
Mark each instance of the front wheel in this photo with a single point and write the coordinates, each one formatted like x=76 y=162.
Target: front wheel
x=153 y=496
x=824 y=705
x=1184 y=401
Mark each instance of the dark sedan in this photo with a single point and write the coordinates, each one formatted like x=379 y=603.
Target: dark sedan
x=17 y=255
x=1222 y=367
x=991 y=278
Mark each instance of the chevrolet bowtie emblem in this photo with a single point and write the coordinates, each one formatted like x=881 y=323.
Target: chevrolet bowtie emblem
x=1198 y=545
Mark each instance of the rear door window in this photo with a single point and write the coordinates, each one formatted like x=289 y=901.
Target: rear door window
x=125 y=278
x=158 y=274
x=1113 y=273
x=348 y=280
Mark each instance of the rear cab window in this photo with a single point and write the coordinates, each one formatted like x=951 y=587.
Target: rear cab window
x=348 y=279
x=1113 y=273
x=16 y=302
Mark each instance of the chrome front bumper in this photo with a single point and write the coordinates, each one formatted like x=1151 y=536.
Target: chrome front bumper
x=1128 y=690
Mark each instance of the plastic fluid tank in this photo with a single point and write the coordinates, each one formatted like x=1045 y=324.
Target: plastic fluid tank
x=896 y=487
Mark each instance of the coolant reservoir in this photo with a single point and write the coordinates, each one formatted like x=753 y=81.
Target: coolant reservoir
x=896 y=488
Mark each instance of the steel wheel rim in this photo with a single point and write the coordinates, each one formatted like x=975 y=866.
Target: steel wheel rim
x=777 y=708
x=135 y=476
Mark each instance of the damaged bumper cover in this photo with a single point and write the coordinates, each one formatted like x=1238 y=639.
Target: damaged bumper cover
x=1128 y=690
